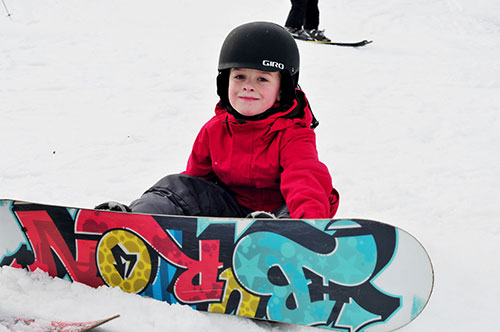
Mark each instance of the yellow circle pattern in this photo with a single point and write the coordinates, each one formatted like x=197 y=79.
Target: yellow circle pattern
x=138 y=279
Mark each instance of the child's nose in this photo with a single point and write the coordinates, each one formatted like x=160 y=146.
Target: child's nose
x=248 y=85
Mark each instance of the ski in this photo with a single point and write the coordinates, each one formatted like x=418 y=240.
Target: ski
x=28 y=324
x=348 y=44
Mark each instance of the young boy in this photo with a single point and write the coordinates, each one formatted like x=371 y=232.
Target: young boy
x=258 y=153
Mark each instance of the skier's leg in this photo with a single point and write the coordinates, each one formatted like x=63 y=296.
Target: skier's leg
x=182 y=194
x=297 y=14
x=311 y=20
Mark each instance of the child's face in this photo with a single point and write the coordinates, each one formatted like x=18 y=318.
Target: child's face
x=252 y=91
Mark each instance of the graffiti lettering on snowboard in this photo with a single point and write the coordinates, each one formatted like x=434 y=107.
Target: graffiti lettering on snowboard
x=291 y=271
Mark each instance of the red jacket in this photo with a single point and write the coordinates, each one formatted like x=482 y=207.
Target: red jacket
x=266 y=163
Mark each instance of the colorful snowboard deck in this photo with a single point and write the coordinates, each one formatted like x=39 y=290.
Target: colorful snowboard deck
x=340 y=274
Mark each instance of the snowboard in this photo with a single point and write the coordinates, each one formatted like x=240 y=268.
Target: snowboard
x=338 y=274
x=38 y=325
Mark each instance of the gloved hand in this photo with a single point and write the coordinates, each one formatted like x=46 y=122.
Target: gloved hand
x=261 y=215
x=113 y=206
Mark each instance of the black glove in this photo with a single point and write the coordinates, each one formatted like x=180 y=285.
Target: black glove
x=261 y=215
x=113 y=206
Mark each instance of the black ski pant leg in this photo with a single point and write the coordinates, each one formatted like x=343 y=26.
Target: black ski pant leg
x=312 y=15
x=181 y=194
x=297 y=14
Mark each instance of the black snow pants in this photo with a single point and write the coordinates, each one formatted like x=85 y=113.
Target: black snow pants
x=181 y=194
x=304 y=13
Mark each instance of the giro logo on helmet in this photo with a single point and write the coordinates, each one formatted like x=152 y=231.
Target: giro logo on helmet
x=269 y=63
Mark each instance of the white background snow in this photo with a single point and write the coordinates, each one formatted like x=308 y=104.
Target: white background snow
x=99 y=99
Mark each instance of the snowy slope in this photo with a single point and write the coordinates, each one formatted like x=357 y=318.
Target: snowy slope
x=99 y=99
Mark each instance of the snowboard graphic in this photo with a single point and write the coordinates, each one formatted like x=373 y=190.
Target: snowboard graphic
x=340 y=274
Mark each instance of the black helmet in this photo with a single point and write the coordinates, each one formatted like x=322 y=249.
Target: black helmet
x=260 y=45
x=263 y=46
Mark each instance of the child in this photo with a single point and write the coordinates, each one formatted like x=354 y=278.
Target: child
x=258 y=153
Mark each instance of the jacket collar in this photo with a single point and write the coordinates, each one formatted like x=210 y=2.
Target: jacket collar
x=276 y=118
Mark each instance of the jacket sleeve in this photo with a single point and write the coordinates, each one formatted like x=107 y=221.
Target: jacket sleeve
x=199 y=162
x=306 y=183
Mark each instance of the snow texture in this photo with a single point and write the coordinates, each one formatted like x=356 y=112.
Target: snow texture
x=99 y=99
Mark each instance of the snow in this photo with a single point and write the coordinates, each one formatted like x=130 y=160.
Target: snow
x=99 y=99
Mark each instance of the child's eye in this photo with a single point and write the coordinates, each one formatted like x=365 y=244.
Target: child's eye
x=262 y=79
x=239 y=76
